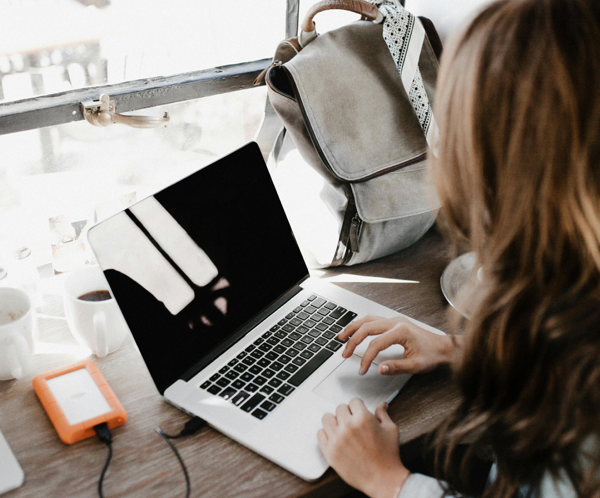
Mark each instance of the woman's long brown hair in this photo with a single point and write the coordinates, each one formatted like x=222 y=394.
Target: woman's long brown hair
x=518 y=172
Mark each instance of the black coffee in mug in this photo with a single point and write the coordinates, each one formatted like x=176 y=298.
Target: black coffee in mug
x=99 y=295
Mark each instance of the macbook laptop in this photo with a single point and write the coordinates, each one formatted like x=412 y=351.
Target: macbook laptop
x=230 y=324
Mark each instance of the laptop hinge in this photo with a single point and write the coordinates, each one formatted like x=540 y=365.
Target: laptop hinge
x=241 y=333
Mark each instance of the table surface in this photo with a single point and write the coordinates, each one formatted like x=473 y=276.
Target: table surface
x=142 y=464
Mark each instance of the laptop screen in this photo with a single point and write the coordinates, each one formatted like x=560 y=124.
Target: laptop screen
x=192 y=264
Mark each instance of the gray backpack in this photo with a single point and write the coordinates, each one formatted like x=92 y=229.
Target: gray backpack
x=342 y=101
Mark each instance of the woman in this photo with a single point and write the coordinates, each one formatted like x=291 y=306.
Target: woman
x=518 y=172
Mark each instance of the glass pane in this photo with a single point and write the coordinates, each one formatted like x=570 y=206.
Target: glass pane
x=49 y=46
x=56 y=181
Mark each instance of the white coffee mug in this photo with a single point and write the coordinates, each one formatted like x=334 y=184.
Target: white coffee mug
x=97 y=325
x=16 y=333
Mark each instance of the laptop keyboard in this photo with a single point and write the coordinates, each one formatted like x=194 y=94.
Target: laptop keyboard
x=260 y=378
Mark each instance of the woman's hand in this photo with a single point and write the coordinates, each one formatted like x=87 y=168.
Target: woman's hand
x=423 y=350
x=363 y=449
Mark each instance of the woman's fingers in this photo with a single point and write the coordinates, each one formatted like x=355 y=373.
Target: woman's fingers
x=374 y=327
x=354 y=326
x=342 y=412
x=322 y=439
x=329 y=423
x=357 y=406
x=406 y=365
x=398 y=335
x=382 y=415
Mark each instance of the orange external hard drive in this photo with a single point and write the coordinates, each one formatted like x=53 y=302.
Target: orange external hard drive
x=76 y=397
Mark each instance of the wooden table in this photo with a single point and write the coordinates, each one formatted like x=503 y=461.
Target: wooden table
x=143 y=465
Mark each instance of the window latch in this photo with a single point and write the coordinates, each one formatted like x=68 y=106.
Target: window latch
x=102 y=113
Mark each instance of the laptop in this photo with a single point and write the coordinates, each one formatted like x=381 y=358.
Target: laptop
x=231 y=326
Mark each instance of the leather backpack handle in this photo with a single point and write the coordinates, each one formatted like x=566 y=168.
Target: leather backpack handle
x=365 y=9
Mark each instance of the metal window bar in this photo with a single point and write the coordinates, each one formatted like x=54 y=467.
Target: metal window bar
x=50 y=110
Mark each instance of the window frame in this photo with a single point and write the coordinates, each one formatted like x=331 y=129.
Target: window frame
x=61 y=108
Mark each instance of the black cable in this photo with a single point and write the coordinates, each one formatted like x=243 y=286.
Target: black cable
x=104 y=435
x=191 y=427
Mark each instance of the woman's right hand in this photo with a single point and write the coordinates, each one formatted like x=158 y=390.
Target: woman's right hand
x=423 y=350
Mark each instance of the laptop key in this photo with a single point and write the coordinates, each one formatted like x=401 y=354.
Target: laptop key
x=288 y=328
x=214 y=390
x=336 y=328
x=228 y=393
x=285 y=358
x=243 y=354
x=303 y=315
x=260 y=380
x=297 y=309
x=307 y=339
x=301 y=330
x=330 y=306
x=253 y=402
x=214 y=377
x=275 y=382
x=280 y=334
x=224 y=370
x=306 y=354
x=323 y=312
x=300 y=345
x=240 y=367
x=328 y=320
x=310 y=323
x=238 y=384
x=315 y=348
x=278 y=398
x=335 y=314
x=233 y=362
x=279 y=349
x=295 y=322
x=274 y=328
x=346 y=319
x=299 y=361
x=251 y=388
x=263 y=362
x=267 y=405
x=265 y=347
x=267 y=389
x=316 y=317
x=240 y=398
x=317 y=303
x=310 y=310
x=294 y=336
x=287 y=343
x=321 y=341
x=250 y=348
x=276 y=366
x=257 y=353
x=271 y=356
x=314 y=333
x=301 y=375
x=321 y=326
x=304 y=303
x=286 y=390
x=292 y=352
x=259 y=341
x=232 y=375
x=266 y=335
x=312 y=298
x=259 y=414
x=283 y=321
x=328 y=335
x=255 y=369
x=222 y=382
x=250 y=360
x=268 y=373
x=334 y=345
x=205 y=385
x=283 y=375
x=291 y=368
x=246 y=377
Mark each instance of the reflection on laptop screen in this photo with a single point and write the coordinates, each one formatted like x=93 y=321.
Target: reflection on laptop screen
x=192 y=264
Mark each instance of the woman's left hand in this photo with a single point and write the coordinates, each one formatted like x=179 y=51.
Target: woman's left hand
x=363 y=449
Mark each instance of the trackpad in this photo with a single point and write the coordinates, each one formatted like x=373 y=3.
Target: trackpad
x=344 y=384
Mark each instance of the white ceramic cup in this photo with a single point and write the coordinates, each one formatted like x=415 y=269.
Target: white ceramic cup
x=16 y=333
x=97 y=325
